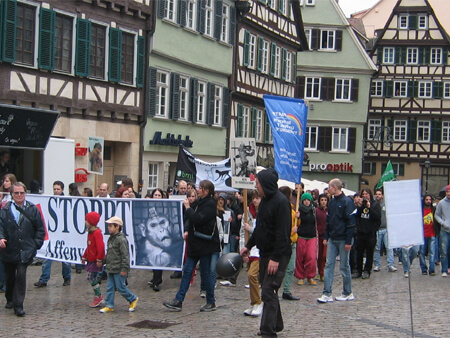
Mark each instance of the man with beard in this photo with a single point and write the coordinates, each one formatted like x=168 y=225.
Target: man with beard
x=429 y=234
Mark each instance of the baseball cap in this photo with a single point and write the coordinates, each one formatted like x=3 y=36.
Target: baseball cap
x=115 y=220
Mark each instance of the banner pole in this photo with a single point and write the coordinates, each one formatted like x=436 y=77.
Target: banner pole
x=245 y=213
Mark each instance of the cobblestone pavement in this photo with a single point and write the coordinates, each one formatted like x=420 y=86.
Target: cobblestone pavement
x=381 y=309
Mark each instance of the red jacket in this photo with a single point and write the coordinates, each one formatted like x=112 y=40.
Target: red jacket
x=95 y=247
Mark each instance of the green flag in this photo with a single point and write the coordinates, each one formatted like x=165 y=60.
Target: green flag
x=388 y=175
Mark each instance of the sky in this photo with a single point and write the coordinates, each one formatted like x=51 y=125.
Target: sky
x=352 y=6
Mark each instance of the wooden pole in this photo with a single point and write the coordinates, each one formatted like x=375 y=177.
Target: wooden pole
x=245 y=214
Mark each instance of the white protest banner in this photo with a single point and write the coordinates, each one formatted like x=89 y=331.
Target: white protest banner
x=403 y=213
x=154 y=228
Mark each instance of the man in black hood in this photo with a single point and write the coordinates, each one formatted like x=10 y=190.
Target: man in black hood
x=272 y=237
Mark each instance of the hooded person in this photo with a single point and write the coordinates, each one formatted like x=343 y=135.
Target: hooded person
x=272 y=237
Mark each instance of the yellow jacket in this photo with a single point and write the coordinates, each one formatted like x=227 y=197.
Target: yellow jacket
x=294 y=235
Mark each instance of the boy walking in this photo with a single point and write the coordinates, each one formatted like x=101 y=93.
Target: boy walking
x=118 y=264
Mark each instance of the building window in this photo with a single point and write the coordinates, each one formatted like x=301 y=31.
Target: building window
x=446 y=90
x=423 y=131
x=403 y=21
x=225 y=23
x=265 y=57
x=98 y=55
x=400 y=130
x=308 y=33
x=162 y=94
x=171 y=10
x=63 y=43
x=25 y=33
x=184 y=97
x=258 y=118
x=245 y=121
x=436 y=56
x=422 y=20
x=400 y=88
x=288 y=71
x=282 y=6
x=327 y=40
x=312 y=87
x=201 y=102
x=412 y=56
x=128 y=43
x=369 y=168
x=377 y=88
x=152 y=176
x=342 y=92
x=310 y=2
x=311 y=138
x=425 y=89
x=277 y=60
x=272 y=4
x=191 y=14
x=209 y=15
x=388 y=55
x=399 y=169
x=446 y=132
x=373 y=127
x=218 y=106
x=339 y=139
x=252 y=51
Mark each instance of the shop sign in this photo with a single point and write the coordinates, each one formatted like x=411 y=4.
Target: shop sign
x=342 y=167
x=170 y=140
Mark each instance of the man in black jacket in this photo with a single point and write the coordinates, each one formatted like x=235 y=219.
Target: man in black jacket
x=272 y=237
x=21 y=235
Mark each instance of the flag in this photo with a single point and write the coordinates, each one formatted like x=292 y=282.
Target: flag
x=388 y=175
x=287 y=117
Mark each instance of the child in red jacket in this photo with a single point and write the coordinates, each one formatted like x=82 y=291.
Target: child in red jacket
x=94 y=255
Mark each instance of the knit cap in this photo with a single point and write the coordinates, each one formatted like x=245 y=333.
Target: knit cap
x=307 y=196
x=93 y=218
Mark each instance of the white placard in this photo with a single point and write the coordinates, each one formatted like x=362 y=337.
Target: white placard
x=403 y=213
x=226 y=226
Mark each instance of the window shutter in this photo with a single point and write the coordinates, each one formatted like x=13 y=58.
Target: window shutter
x=115 y=54
x=140 y=69
x=402 y=55
x=338 y=40
x=239 y=125
x=294 y=66
x=324 y=140
x=182 y=9
x=412 y=21
x=426 y=55
x=281 y=6
x=83 y=49
x=225 y=107
x=379 y=55
x=272 y=58
x=351 y=144
x=436 y=131
x=283 y=64
x=401 y=169
x=194 y=103
x=413 y=89
x=315 y=39
x=253 y=128
x=388 y=88
x=412 y=130
x=327 y=91
x=260 y=53
x=246 y=48
x=445 y=55
x=210 y=105
x=8 y=28
x=46 y=39
x=232 y=24
x=201 y=16
x=354 y=91
x=438 y=90
x=301 y=87
x=161 y=8
x=151 y=97
x=422 y=55
x=218 y=8
x=174 y=113
x=266 y=129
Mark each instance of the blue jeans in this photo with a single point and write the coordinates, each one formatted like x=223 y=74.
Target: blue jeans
x=47 y=269
x=205 y=273
x=214 y=258
x=117 y=282
x=428 y=245
x=444 y=238
x=382 y=237
x=335 y=248
x=408 y=256
x=230 y=246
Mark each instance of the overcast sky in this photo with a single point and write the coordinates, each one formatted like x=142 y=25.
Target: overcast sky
x=352 y=6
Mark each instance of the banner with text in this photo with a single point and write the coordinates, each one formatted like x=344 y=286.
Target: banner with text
x=287 y=117
x=154 y=228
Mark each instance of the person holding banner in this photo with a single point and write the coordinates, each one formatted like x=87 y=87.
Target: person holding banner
x=22 y=233
x=202 y=236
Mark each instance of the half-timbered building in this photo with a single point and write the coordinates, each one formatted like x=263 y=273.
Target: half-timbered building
x=85 y=59
x=269 y=34
x=409 y=112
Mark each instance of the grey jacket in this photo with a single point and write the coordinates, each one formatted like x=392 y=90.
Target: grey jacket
x=117 y=256
x=442 y=214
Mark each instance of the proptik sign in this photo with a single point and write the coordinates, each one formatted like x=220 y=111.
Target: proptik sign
x=331 y=167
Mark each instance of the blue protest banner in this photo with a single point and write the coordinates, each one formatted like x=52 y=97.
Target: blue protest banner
x=287 y=117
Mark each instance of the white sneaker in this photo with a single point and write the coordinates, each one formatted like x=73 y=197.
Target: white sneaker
x=376 y=269
x=202 y=294
x=406 y=274
x=227 y=283
x=392 y=269
x=325 y=299
x=257 y=310
x=247 y=286
x=248 y=312
x=444 y=274
x=344 y=297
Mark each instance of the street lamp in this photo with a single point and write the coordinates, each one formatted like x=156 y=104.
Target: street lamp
x=427 y=166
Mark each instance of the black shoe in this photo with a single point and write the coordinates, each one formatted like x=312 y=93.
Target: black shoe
x=365 y=275
x=9 y=305
x=78 y=270
x=19 y=313
x=176 y=275
x=208 y=307
x=174 y=305
x=66 y=282
x=155 y=287
x=289 y=296
x=356 y=275
x=40 y=284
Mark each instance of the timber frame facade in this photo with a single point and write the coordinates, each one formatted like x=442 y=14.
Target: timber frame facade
x=265 y=59
x=409 y=110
